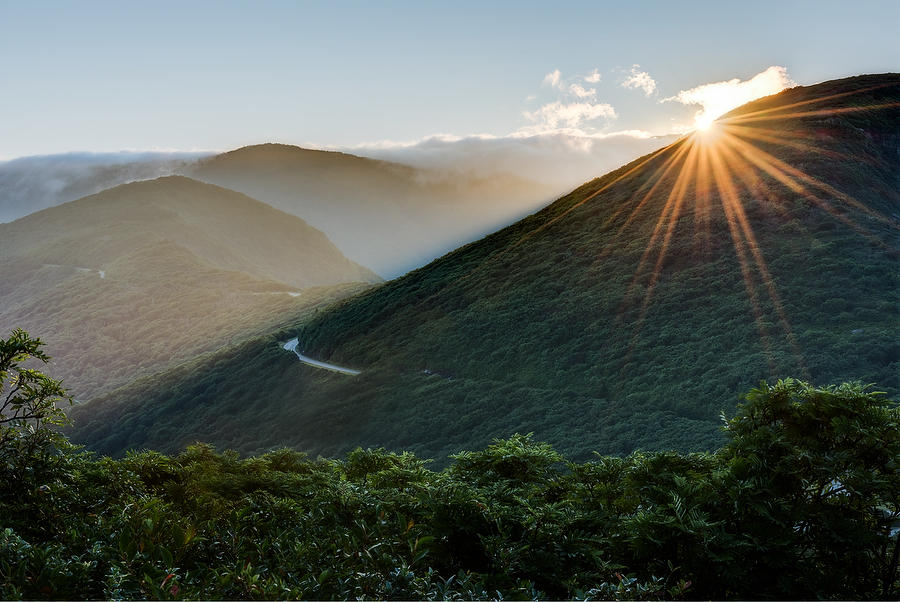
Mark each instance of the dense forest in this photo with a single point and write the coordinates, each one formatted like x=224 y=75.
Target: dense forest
x=801 y=501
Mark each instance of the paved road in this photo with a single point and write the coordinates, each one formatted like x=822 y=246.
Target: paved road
x=56 y=265
x=292 y=346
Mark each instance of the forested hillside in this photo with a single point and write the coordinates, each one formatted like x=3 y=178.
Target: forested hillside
x=144 y=276
x=626 y=315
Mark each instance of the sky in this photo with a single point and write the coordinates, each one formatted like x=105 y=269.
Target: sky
x=390 y=77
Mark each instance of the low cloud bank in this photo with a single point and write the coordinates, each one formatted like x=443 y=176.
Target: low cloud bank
x=30 y=184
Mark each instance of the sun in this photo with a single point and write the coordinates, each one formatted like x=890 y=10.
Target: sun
x=703 y=121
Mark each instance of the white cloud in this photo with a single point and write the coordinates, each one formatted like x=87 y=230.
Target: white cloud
x=640 y=79
x=581 y=91
x=553 y=78
x=29 y=184
x=593 y=78
x=718 y=98
x=552 y=115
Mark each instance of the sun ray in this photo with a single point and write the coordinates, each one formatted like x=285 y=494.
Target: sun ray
x=792 y=177
x=590 y=197
x=812 y=101
x=675 y=201
x=703 y=204
x=754 y=183
x=665 y=168
x=781 y=139
x=657 y=227
x=671 y=212
x=804 y=114
x=735 y=164
x=729 y=199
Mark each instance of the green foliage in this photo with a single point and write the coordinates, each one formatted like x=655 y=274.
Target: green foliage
x=30 y=403
x=517 y=459
x=801 y=502
x=813 y=473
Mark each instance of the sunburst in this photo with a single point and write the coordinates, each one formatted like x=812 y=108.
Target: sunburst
x=712 y=161
x=706 y=167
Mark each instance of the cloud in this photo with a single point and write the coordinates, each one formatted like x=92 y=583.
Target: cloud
x=554 y=114
x=582 y=92
x=716 y=99
x=553 y=78
x=640 y=79
x=29 y=184
x=559 y=159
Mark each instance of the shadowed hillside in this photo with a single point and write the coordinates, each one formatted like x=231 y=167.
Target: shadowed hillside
x=625 y=315
x=146 y=275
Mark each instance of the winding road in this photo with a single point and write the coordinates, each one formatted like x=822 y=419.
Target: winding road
x=102 y=273
x=292 y=346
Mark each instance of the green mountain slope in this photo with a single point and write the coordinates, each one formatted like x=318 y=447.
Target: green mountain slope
x=625 y=315
x=388 y=216
x=143 y=276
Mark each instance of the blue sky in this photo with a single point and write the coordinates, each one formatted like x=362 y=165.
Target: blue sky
x=108 y=76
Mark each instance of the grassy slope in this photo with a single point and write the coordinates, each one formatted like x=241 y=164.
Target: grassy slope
x=189 y=267
x=538 y=327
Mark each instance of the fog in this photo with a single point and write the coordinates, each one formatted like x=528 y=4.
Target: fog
x=559 y=160
x=30 y=184
x=385 y=217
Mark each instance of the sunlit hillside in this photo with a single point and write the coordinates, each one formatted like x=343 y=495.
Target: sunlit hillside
x=147 y=275
x=628 y=314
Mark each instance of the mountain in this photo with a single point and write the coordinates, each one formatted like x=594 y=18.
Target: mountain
x=146 y=275
x=388 y=216
x=626 y=315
